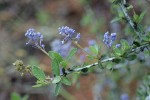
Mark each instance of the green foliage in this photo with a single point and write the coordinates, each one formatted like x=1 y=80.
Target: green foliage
x=55 y=55
x=16 y=96
x=66 y=81
x=56 y=79
x=118 y=55
x=63 y=63
x=124 y=45
x=117 y=51
x=116 y=1
x=138 y=18
x=131 y=57
x=116 y=60
x=38 y=73
x=144 y=89
x=94 y=49
x=56 y=60
x=57 y=88
x=71 y=54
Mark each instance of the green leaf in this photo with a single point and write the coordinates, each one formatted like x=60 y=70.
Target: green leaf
x=37 y=85
x=15 y=96
x=141 y=16
x=55 y=61
x=55 y=55
x=40 y=83
x=55 y=67
x=129 y=7
x=66 y=81
x=109 y=65
x=71 y=54
x=38 y=73
x=146 y=38
x=131 y=57
x=146 y=53
x=56 y=80
x=135 y=17
x=115 y=19
x=57 y=89
x=116 y=60
x=94 y=49
x=124 y=45
x=63 y=64
x=26 y=97
x=117 y=51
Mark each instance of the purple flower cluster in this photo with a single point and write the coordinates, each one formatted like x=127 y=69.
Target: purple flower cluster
x=109 y=39
x=57 y=46
x=69 y=34
x=35 y=38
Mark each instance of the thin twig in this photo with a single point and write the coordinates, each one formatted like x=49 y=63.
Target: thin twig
x=104 y=60
x=128 y=18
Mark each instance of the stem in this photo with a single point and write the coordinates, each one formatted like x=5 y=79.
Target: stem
x=104 y=60
x=128 y=18
x=79 y=46
x=43 y=50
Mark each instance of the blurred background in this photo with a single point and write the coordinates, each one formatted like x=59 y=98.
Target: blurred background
x=91 y=18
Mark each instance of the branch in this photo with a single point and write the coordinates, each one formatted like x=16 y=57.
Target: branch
x=134 y=25
x=102 y=61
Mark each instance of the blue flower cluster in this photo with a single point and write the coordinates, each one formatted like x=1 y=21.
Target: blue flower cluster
x=69 y=34
x=35 y=38
x=109 y=39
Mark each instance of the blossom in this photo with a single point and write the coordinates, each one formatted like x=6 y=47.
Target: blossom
x=69 y=34
x=109 y=39
x=35 y=38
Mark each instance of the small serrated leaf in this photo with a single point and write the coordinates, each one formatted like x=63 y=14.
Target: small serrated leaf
x=55 y=55
x=71 y=54
x=55 y=67
x=124 y=45
x=66 y=81
x=57 y=89
x=135 y=17
x=141 y=16
x=55 y=61
x=117 y=51
x=63 y=64
x=38 y=73
x=131 y=57
x=94 y=49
